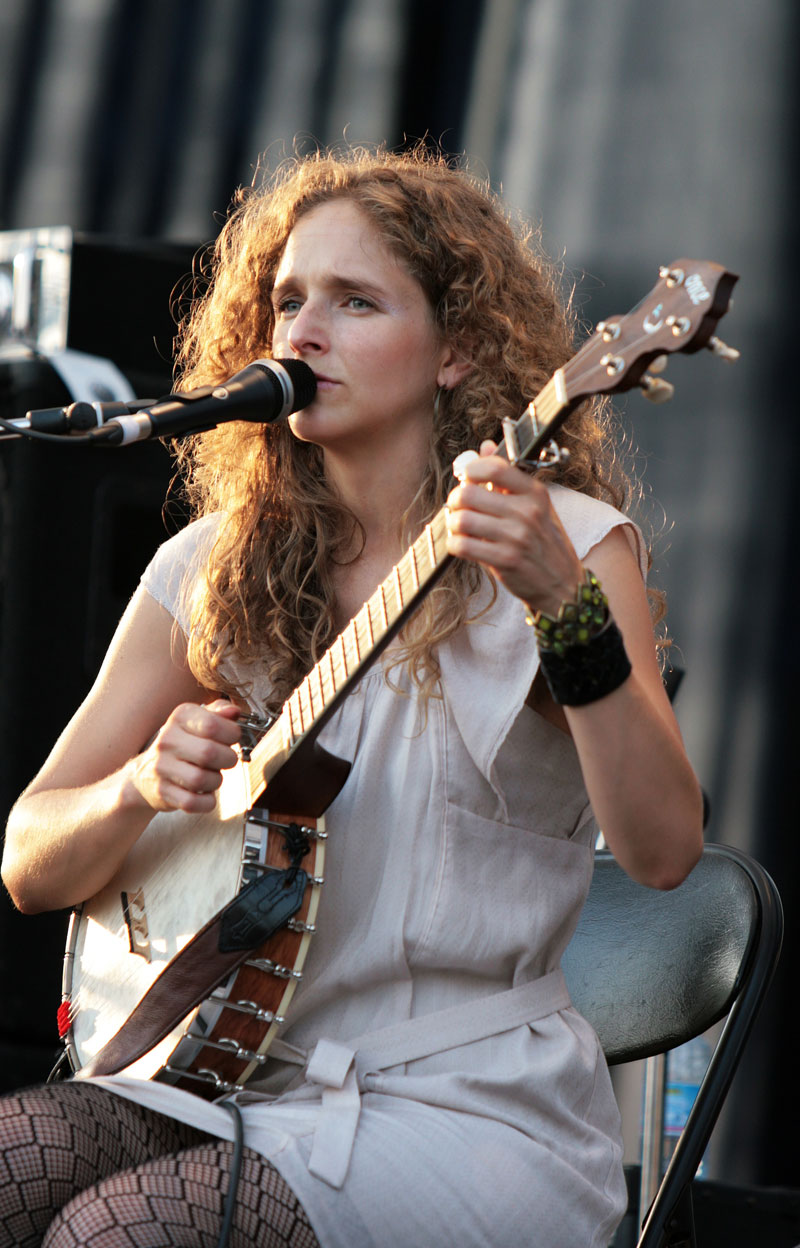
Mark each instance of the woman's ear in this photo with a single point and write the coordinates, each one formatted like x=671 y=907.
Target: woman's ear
x=452 y=369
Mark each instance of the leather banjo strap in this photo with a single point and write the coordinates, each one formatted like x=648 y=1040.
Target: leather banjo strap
x=254 y=915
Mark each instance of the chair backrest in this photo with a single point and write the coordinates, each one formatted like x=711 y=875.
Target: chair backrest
x=651 y=970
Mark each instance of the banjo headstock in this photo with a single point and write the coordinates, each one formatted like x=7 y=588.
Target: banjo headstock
x=679 y=315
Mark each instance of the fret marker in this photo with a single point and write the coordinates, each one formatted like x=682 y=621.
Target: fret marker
x=356 y=646
x=414 y=569
x=431 y=546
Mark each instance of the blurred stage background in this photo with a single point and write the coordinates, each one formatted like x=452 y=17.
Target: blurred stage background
x=636 y=133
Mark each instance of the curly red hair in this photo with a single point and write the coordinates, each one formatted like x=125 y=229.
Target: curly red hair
x=268 y=593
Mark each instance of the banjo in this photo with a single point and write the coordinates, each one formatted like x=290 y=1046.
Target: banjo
x=167 y=973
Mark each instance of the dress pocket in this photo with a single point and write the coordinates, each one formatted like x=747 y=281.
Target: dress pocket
x=507 y=901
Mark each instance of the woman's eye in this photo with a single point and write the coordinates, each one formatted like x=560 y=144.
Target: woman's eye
x=287 y=307
x=359 y=302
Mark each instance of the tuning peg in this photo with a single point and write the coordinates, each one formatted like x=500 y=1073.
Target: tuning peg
x=659 y=364
x=656 y=390
x=720 y=348
x=673 y=277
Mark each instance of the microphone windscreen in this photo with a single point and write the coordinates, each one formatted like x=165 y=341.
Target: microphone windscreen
x=303 y=382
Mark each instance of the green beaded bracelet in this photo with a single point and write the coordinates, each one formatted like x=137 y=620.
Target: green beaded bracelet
x=577 y=621
x=581 y=650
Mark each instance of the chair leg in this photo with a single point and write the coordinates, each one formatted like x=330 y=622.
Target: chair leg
x=678 y=1231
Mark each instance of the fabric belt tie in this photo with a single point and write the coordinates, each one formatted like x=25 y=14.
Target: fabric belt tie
x=333 y=1065
x=341 y=1068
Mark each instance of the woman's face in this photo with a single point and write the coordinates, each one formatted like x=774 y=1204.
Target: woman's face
x=347 y=307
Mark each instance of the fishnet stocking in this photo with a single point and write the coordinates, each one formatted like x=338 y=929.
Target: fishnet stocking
x=178 y=1201
x=102 y=1171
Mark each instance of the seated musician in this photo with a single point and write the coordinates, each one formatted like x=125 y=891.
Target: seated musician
x=432 y=1084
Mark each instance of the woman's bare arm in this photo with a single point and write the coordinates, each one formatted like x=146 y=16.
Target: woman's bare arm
x=642 y=788
x=142 y=741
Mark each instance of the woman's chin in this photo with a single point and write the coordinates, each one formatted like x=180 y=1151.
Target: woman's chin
x=304 y=426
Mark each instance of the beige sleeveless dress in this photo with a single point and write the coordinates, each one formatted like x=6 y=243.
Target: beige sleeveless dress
x=434 y=1086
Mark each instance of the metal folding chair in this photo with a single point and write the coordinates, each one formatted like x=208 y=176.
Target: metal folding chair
x=651 y=970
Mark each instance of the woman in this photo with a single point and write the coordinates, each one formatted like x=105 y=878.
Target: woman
x=461 y=846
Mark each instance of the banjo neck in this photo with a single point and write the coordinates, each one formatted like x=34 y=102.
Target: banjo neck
x=680 y=314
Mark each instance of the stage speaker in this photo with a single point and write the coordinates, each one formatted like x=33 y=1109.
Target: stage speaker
x=77 y=526
x=62 y=290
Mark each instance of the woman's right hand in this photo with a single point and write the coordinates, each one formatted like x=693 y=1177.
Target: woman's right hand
x=182 y=767
x=97 y=792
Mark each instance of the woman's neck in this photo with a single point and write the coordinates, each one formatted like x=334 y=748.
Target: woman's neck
x=379 y=495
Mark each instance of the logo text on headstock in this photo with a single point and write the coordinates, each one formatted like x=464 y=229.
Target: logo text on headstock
x=696 y=289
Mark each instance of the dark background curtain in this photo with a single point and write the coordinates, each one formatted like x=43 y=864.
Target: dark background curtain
x=636 y=134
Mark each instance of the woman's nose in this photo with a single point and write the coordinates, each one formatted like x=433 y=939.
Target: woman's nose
x=308 y=331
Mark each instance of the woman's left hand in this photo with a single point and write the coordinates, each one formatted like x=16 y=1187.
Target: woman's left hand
x=502 y=517
x=639 y=781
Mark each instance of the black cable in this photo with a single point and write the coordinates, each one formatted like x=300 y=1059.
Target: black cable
x=61 y=438
x=236 y=1167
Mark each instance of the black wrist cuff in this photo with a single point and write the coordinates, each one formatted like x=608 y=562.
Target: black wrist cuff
x=585 y=673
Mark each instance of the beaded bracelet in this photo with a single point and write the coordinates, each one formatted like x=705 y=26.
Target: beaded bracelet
x=577 y=621
x=581 y=651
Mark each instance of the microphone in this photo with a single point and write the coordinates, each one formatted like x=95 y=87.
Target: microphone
x=266 y=390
